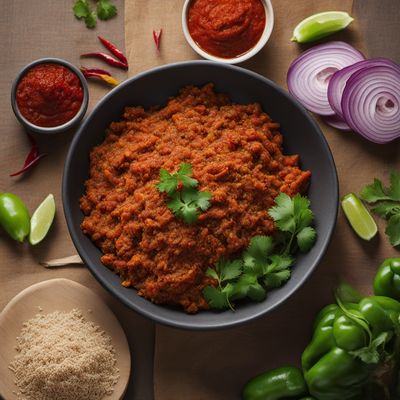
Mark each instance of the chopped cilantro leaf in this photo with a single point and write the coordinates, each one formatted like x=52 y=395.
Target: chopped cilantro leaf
x=276 y=279
x=106 y=10
x=90 y=20
x=168 y=182
x=386 y=209
x=374 y=192
x=215 y=297
x=389 y=206
x=306 y=238
x=393 y=229
x=81 y=9
x=188 y=202
x=266 y=262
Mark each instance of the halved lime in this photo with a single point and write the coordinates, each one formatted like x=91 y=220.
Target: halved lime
x=320 y=25
x=42 y=219
x=359 y=217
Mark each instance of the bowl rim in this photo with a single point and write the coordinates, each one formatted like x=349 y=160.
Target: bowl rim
x=269 y=25
x=148 y=313
x=53 y=129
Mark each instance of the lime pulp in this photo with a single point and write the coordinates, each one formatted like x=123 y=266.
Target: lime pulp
x=320 y=25
x=359 y=217
x=42 y=219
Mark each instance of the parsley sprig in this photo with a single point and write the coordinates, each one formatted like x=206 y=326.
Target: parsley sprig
x=187 y=203
x=105 y=10
x=266 y=263
x=387 y=204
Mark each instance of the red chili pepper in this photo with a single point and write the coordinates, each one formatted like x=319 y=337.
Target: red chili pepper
x=100 y=74
x=32 y=158
x=89 y=71
x=157 y=38
x=113 y=49
x=107 y=58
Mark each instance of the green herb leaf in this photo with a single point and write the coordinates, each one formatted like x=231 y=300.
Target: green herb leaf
x=256 y=292
x=394 y=189
x=374 y=192
x=276 y=279
x=306 y=238
x=81 y=9
x=212 y=273
x=183 y=174
x=279 y=262
x=386 y=209
x=215 y=297
x=347 y=294
x=203 y=200
x=168 y=182
x=229 y=269
x=91 y=20
x=106 y=10
x=282 y=213
x=393 y=229
x=258 y=251
x=372 y=354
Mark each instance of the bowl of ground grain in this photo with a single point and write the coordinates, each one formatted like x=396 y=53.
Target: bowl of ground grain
x=207 y=115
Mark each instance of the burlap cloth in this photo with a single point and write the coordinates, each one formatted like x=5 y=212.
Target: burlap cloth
x=214 y=365
x=28 y=31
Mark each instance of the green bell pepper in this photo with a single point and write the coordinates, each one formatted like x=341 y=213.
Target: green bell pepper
x=14 y=216
x=276 y=384
x=349 y=341
x=387 y=279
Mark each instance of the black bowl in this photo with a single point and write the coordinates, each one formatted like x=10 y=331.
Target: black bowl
x=301 y=135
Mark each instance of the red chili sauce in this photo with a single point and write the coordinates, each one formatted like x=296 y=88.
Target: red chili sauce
x=49 y=95
x=226 y=28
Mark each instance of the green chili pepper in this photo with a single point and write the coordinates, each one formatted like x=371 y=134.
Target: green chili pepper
x=14 y=216
x=276 y=384
x=387 y=279
x=320 y=25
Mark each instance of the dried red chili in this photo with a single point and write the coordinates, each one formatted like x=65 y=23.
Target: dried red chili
x=113 y=49
x=107 y=58
x=100 y=74
x=157 y=38
x=32 y=158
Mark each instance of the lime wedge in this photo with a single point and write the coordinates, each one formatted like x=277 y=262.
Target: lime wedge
x=320 y=25
x=42 y=219
x=359 y=217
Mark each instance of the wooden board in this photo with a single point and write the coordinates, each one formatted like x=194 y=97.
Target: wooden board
x=58 y=295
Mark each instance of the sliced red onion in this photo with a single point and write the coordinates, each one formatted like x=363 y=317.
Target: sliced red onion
x=339 y=79
x=336 y=122
x=371 y=102
x=309 y=74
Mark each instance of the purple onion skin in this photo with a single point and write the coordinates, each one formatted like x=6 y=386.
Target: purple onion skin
x=338 y=80
x=309 y=74
x=337 y=122
x=371 y=102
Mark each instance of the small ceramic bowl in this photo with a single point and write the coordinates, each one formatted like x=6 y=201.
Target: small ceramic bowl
x=54 y=129
x=243 y=57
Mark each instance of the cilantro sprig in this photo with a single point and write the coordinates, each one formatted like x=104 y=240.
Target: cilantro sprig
x=104 y=10
x=187 y=203
x=267 y=262
x=387 y=200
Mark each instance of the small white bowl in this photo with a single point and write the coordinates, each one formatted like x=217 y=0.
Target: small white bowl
x=269 y=24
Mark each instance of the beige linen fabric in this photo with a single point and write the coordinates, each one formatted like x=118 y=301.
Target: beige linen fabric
x=215 y=365
x=28 y=31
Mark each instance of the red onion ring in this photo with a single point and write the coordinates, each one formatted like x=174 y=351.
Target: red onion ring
x=338 y=81
x=371 y=102
x=309 y=74
x=336 y=122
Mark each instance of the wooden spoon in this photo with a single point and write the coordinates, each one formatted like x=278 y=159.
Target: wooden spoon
x=58 y=295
